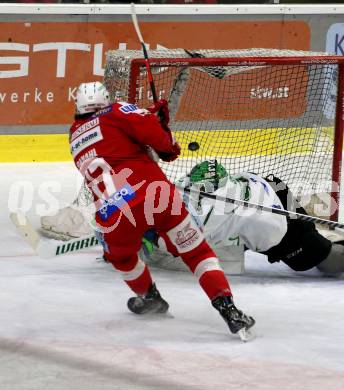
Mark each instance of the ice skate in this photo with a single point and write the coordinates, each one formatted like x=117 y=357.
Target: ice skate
x=150 y=303
x=238 y=322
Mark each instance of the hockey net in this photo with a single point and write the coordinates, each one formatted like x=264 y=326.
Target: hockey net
x=266 y=111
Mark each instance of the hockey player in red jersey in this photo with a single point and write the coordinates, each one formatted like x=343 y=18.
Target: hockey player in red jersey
x=110 y=146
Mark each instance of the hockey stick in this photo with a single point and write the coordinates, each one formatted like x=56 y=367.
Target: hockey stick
x=153 y=153
x=244 y=203
x=145 y=53
x=47 y=248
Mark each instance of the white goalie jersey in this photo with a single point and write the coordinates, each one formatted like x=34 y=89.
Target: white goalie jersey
x=224 y=223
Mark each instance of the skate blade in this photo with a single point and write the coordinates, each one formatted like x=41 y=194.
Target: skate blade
x=246 y=335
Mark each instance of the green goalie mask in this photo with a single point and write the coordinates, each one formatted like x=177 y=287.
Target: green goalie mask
x=208 y=176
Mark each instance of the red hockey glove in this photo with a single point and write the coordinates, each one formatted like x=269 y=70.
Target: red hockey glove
x=161 y=107
x=170 y=156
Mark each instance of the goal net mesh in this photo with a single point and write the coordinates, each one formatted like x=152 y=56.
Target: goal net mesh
x=264 y=119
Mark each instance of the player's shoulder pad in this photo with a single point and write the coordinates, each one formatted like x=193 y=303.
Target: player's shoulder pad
x=130 y=108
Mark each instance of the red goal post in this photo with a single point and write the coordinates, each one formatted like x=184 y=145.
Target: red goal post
x=280 y=114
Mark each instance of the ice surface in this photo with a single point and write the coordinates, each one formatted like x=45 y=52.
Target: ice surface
x=64 y=322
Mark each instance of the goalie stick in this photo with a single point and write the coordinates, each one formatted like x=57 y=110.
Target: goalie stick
x=244 y=203
x=47 y=248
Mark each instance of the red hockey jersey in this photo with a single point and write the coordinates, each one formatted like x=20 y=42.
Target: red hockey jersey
x=117 y=137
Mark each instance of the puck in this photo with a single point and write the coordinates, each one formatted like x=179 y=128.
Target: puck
x=193 y=146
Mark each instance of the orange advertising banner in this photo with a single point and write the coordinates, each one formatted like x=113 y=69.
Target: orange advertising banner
x=41 y=64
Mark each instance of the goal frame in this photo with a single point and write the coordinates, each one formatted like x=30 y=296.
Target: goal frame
x=138 y=63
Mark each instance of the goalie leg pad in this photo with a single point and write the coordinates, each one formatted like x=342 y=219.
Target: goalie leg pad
x=67 y=223
x=334 y=262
